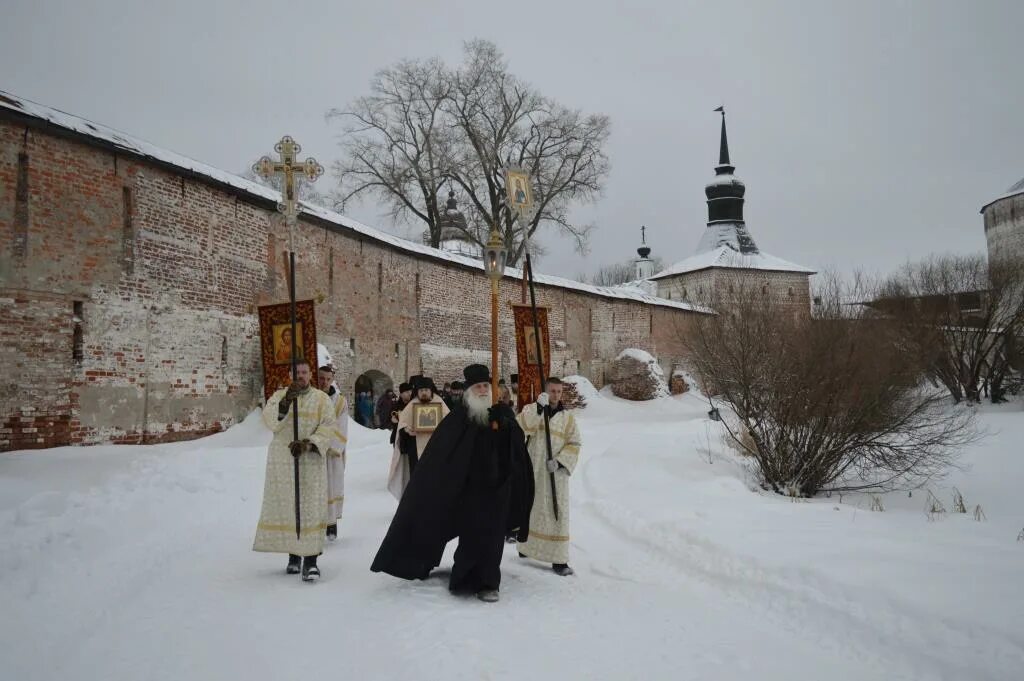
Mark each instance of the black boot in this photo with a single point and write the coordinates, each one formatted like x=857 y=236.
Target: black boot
x=310 y=572
x=562 y=569
x=332 y=531
x=293 y=564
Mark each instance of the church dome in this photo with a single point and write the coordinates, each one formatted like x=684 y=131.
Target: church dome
x=725 y=185
x=725 y=192
x=452 y=222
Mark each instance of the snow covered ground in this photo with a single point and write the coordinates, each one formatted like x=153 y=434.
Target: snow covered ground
x=135 y=563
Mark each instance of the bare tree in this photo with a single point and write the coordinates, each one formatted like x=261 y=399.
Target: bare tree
x=964 y=316
x=425 y=125
x=831 y=403
x=396 y=142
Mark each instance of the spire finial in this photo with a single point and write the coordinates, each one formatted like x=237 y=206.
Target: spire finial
x=644 y=249
x=723 y=153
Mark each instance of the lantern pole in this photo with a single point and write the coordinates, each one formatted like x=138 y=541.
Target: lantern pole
x=494 y=265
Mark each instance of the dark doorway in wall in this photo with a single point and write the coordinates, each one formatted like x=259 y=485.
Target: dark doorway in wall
x=369 y=388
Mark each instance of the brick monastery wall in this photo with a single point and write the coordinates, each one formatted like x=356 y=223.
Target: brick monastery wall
x=128 y=295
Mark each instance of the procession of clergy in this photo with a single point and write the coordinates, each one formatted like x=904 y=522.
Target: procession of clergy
x=485 y=475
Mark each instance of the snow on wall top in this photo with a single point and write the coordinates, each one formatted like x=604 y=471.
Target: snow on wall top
x=726 y=257
x=138 y=147
x=1017 y=188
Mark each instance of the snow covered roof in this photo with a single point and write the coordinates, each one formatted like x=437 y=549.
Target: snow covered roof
x=731 y=234
x=141 y=148
x=725 y=179
x=726 y=257
x=1017 y=188
x=642 y=286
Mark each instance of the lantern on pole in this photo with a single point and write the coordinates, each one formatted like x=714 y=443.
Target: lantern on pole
x=494 y=266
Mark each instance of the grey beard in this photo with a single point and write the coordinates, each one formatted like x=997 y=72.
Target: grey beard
x=477 y=407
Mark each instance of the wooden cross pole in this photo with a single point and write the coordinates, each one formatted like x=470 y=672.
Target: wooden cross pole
x=287 y=169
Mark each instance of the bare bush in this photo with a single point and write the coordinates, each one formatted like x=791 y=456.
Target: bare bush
x=831 y=403
x=964 y=316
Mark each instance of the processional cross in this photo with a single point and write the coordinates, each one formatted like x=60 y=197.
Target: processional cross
x=287 y=168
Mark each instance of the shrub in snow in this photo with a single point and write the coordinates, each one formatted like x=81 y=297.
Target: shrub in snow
x=637 y=376
x=678 y=384
x=836 y=402
x=577 y=390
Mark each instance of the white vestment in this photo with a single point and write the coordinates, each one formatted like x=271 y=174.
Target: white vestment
x=317 y=423
x=336 y=459
x=549 y=537
x=399 y=472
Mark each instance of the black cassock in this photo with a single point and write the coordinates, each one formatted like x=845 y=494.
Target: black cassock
x=471 y=482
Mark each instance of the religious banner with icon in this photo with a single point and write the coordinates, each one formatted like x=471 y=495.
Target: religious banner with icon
x=526 y=350
x=518 y=189
x=276 y=341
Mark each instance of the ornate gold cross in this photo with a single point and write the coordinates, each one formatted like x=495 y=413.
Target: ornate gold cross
x=288 y=167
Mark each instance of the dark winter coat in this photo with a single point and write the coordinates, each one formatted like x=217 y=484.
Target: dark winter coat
x=471 y=482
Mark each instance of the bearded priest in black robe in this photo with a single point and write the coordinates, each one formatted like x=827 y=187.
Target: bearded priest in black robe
x=474 y=481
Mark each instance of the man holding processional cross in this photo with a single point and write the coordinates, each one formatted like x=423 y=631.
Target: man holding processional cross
x=294 y=513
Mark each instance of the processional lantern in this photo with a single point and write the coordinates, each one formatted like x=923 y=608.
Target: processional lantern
x=495 y=256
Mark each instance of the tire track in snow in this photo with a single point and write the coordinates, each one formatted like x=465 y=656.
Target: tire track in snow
x=883 y=629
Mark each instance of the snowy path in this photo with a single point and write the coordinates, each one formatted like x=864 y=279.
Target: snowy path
x=135 y=563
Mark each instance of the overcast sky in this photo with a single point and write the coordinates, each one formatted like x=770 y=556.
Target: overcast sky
x=866 y=132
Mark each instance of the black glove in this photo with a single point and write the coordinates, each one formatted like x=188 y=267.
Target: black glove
x=290 y=394
x=286 y=401
x=300 y=447
x=500 y=413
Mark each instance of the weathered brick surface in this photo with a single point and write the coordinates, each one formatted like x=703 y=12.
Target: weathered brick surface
x=719 y=285
x=168 y=270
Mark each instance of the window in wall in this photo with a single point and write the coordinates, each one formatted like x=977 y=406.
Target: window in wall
x=127 y=230
x=78 y=318
x=20 y=245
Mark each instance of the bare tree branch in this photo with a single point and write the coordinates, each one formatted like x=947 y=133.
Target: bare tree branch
x=425 y=124
x=835 y=402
